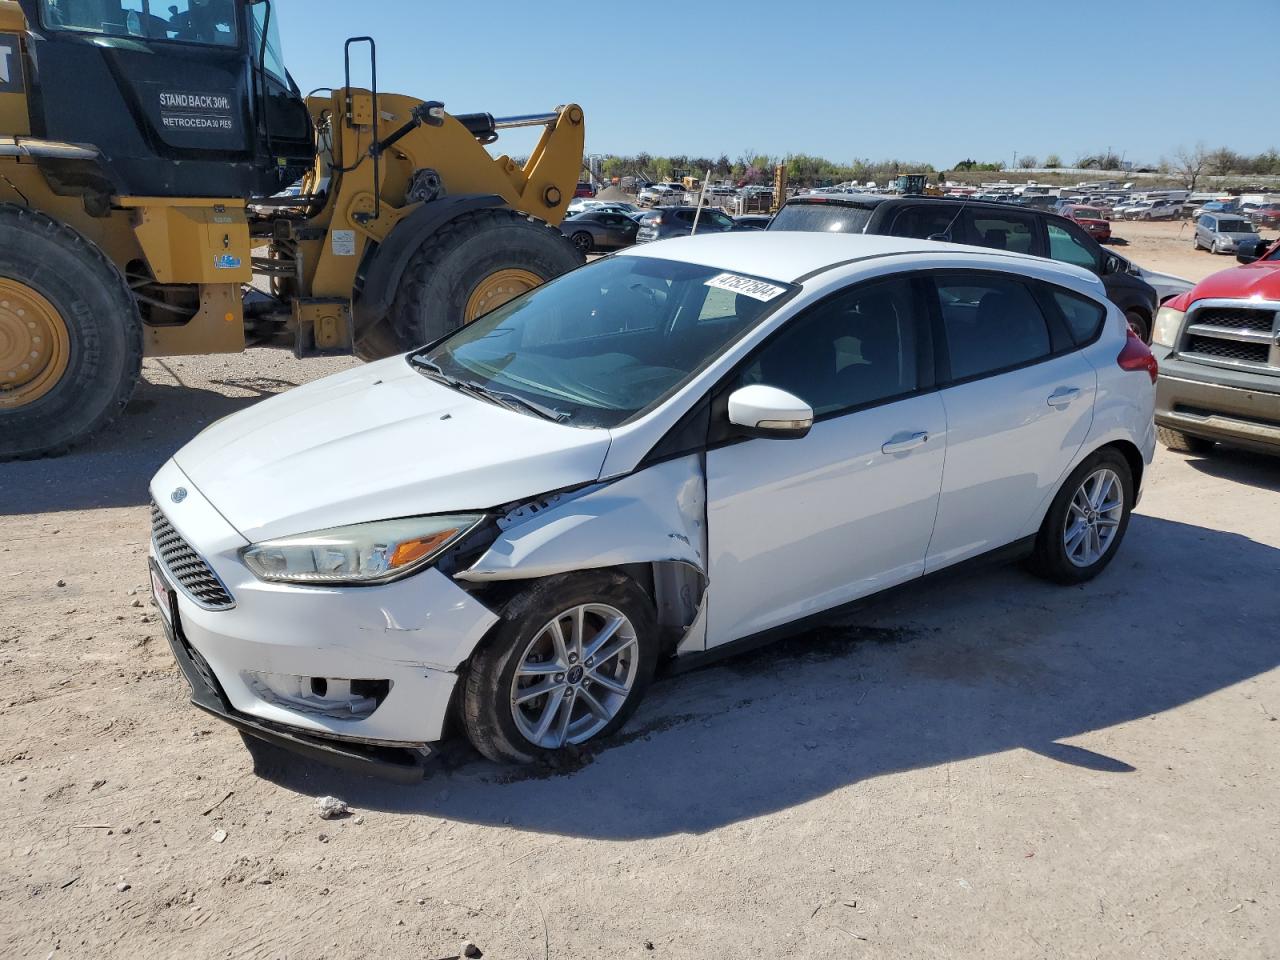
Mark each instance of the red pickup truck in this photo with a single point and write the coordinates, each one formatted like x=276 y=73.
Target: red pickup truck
x=1218 y=346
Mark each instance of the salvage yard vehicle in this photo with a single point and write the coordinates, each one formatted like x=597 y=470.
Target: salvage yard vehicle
x=1220 y=232
x=999 y=226
x=664 y=456
x=663 y=223
x=1151 y=210
x=600 y=230
x=144 y=147
x=1219 y=353
x=1092 y=219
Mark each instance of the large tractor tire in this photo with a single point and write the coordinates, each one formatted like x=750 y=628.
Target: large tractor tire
x=468 y=267
x=70 y=337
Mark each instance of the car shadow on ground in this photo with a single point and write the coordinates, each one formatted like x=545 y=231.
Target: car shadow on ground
x=965 y=667
x=114 y=467
x=1241 y=466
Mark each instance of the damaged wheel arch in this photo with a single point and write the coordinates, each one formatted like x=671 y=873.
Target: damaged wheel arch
x=650 y=525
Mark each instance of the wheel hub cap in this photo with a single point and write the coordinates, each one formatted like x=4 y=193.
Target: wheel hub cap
x=35 y=346
x=1093 y=518
x=496 y=289
x=574 y=676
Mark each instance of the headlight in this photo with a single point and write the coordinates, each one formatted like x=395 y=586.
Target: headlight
x=366 y=553
x=1168 y=323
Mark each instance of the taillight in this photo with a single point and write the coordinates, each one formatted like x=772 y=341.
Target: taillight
x=1136 y=355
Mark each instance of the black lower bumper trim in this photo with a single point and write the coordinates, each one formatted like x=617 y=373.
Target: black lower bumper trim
x=397 y=764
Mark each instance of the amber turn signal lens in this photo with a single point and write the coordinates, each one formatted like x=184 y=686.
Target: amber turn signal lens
x=410 y=551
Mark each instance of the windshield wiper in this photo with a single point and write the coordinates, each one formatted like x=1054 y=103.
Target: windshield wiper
x=503 y=399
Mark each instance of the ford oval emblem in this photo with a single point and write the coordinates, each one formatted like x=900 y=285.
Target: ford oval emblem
x=178 y=495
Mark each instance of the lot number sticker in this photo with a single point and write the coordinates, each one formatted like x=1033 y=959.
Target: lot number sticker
x=344 y=243
x=756 y=289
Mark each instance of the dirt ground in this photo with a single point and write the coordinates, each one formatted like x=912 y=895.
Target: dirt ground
x=986 y=766
x=1165 y=245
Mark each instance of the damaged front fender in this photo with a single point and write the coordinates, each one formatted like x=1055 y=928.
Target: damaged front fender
x=655 y=515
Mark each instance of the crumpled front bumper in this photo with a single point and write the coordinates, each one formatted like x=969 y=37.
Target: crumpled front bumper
x=410 y=636
x=399 y=764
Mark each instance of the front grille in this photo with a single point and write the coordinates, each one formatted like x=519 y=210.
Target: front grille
x=186 y=567
x=1229 y=349
x=1242 y=319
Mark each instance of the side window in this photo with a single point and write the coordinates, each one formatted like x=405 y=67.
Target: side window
x=1067 y=247
x=925 y=220
x=992 y=323
x=1084 y=316
x=685 y=216
x=1000 y=231
x=852 y=349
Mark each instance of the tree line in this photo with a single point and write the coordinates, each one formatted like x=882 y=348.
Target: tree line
x=805 y=170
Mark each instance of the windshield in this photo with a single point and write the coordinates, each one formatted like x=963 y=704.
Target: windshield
x=812 y=217
x=607 y=341
x=1088 y=213
x=209 y=22
x=1235 y=226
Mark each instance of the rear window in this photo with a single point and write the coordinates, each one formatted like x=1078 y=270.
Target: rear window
x=809 y=217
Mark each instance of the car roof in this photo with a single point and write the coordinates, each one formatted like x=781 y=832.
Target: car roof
x=792 y=256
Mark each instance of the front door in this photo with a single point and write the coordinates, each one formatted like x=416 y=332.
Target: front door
x=799 y=526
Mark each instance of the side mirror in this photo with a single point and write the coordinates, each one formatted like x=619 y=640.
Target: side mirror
x=1247 y=251
x=763 y=411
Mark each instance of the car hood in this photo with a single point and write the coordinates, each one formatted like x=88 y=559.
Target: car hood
x=1252 y=280
x=376 y=442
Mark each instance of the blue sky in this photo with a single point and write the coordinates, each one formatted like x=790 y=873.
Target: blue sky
x=937 y=82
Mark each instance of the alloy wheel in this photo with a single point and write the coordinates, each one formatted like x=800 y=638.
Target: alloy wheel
x=1093 y=517
x=582 y=241
x=574 y=676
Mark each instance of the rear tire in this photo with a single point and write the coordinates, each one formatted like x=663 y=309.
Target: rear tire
x=70 y=313
x=581 y=242
x=1183 y=442
x=492 y=718
x=470 y=266
x=1057 y=555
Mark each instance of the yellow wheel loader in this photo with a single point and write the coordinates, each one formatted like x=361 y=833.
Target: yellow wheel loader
x=166 y=189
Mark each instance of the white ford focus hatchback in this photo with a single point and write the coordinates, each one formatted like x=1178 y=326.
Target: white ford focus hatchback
x=663 y=455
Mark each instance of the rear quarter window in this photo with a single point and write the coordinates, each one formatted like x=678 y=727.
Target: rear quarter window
x=1084 y=317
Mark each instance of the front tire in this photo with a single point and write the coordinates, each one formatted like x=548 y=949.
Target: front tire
x=70 y=337
x=472 y=265
x=1140 y=323
x=568 y=664
x=1086 y=521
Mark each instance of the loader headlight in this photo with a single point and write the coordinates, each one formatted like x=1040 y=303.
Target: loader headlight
x=362 y=554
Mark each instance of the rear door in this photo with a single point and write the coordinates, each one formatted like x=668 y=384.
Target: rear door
x=1019 y=399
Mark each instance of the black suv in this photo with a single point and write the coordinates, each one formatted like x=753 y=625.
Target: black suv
x=1000 y=226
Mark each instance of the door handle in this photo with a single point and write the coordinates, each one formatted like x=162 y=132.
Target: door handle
x=1063 y=396
x=905 y=444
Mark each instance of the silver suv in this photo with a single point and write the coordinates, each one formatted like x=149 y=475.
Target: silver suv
x=1220 y=232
